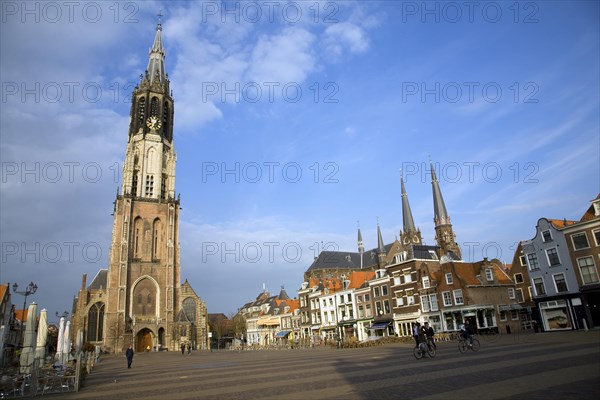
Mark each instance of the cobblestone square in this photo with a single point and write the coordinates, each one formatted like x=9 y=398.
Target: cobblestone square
x=533 y=366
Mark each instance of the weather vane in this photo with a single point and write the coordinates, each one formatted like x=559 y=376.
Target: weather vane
x=159 y=15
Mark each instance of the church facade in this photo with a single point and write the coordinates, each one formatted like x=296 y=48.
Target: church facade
x=139 y=299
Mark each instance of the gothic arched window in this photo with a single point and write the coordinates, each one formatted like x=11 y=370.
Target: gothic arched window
x=154 y=106
x=145 y=292
x=166 y=118
x=137 y=237
x=141 y=110
x=156 y=229
x=189 y=308
x=95 y=323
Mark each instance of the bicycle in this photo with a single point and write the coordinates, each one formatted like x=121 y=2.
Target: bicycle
x=464 y=346
x=423 y=350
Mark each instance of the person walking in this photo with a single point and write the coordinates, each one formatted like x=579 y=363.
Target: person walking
x=182 y=348
x=189 y=348
x=129 y=355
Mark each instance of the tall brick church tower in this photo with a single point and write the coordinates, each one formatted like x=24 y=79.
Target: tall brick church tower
x=144 y=303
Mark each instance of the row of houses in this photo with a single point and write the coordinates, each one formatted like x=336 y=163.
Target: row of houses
x=552 y=284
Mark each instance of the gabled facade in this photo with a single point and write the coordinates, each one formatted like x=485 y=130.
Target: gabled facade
x=271 y=320
x=583 y=242
x=554 y=283
x=380 y=286
x=10 y=327
x=523 y=292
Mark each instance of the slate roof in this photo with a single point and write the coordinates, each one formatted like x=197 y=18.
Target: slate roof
x=99 y=281
x=421 y=252
x=346 y=259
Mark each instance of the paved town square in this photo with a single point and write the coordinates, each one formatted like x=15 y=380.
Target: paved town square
x=532 y=366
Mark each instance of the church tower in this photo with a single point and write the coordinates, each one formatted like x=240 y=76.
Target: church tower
x=145 y=304
x=444 y=234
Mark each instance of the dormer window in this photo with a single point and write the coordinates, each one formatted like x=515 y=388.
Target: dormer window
x=597 y=208
x=546 y=236
x=489 y=274
x=426 y=284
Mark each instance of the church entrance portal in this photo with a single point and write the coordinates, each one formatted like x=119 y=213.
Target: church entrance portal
x=143 y=340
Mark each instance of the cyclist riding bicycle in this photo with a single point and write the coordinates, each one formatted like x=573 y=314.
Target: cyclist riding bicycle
x=467 y=333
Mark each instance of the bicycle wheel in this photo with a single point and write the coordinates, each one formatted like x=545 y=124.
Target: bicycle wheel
x=417 y=353
x=462 y=347
x=475 y=345
x=430 y=351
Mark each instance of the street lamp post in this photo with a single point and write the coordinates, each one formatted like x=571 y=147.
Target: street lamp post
x=29 y=290
x=64 y=314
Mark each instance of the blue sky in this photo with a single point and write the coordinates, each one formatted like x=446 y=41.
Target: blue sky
x=292 y=123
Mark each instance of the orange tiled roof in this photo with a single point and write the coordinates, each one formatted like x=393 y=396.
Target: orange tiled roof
x=3 y=290
x=294 y=304
x=21 y=315
x=561 y=223
x=468 y=273
x=358 y=278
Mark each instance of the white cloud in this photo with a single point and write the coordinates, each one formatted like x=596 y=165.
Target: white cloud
x=283 y=58
x=346 y=35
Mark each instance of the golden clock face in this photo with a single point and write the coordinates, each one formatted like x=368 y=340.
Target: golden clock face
x=153 y=122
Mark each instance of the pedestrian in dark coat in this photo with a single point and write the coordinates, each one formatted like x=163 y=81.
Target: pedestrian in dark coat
x=182 y=348
x=129 y=355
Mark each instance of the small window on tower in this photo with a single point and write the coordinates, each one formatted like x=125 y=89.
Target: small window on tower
x=154 y=106
x=142 y=110
x=149 y=185
x=166 y=116
x=134 y=184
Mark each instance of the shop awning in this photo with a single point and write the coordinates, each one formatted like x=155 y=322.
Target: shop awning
x=268 y=321
x=315 y=327
x=282 y=333
x=380 y=326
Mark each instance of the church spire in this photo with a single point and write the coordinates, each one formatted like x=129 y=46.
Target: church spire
x=441 y=216
x=444 y=234
x=149 y=168
x=156 y=59
x=380 y=246
x=361 y=246
x=410 y=233
x=408 y=224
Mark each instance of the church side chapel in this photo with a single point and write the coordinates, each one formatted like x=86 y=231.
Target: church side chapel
x=139 y=299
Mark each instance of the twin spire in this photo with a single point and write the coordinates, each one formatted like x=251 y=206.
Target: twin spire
x=410 y=234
